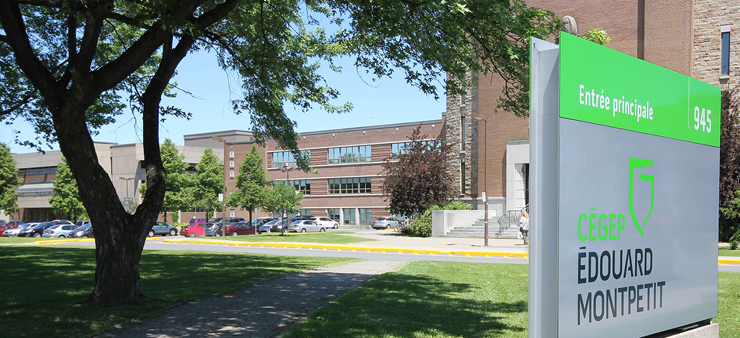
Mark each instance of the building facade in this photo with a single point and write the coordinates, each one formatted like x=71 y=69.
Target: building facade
x=346 y=184
x=691 y=37
x=124 y=164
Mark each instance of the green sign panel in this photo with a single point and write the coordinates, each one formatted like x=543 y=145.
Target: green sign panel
x=603 y=86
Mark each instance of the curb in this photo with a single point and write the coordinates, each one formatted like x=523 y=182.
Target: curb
x=720 y=260
x=57 y=241
x=354 y=248
x=723 y=260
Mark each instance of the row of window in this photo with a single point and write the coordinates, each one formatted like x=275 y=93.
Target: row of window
x=286 y=158
x=355 y=185
x=336 y=155
x=350 y=185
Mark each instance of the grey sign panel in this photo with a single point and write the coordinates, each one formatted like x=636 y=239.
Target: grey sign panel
x=637 y=250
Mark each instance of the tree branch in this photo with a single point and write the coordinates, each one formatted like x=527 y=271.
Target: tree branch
x=17 y=37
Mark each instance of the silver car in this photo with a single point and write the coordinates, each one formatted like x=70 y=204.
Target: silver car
x=326 y=222
x=59 y=231
x=386 y=222
x=14 y=232
x=305 y=226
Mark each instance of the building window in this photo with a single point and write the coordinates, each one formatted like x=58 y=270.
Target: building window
x=41 y=171
x=349 y=216
x=354 y=185
x=283 y=158
x=726 y=52
x=366 y=216
x=350 y=154
x=462 y=133
x=231 y=164
x=462 y=178
x=305 y=212
x=400 y=148
x=464 y=94
x=231 y=174
x=231 y=154
x=303 y=186
x=334 y=214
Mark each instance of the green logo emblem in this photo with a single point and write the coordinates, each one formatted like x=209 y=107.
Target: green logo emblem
x=638 y=163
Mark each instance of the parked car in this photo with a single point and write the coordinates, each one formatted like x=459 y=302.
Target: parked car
x=195 y=229
x=16 y=231
x=85 y=231
x=35 y=231
x=83 y=222
x=241 y=228
x=162 y=228
x=17 y=223
x=305 y=226
x=299 y=218
x=277 y=225
x=6 y=226
x=197 y=220
x=386 y=222
x=213 y=229
x=326 y=222
x=265 y=228
x=60 y=230
x=260 y=221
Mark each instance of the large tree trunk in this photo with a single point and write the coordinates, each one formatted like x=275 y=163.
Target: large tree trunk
x=119 y=236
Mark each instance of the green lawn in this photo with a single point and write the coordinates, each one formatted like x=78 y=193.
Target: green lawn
x=445 y=299
x=429 y=299
x=42 y=285
x=725 y=251
x=4 y=240
x=311 y=237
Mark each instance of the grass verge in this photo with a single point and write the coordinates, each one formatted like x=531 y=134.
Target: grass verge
x=725 y=251
x=42 y=285
x=445 y=299
x=12 y=240
x=315 y=237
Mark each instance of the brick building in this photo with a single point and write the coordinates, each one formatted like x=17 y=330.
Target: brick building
x=692 y=37
x=347 y=183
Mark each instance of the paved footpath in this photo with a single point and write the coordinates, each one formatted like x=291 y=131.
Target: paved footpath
x=264 y=310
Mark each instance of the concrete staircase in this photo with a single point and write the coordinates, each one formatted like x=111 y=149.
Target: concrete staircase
x=477 y=230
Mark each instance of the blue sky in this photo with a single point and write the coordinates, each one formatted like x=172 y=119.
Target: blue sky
x=381 y=102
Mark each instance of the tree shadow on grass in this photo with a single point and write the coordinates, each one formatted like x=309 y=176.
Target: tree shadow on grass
x=42 y=286
x=402 y=305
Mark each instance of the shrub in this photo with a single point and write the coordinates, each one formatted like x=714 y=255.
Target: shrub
x=734 y=240
x=422 y=225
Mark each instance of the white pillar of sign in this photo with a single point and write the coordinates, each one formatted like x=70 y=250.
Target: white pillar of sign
x=543 y=206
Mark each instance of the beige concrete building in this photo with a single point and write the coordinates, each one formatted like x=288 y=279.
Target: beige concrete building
x=124 y=163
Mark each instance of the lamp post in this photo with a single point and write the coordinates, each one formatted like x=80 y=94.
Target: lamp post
x=127 y=201
x=485 y=175
x=223 y=203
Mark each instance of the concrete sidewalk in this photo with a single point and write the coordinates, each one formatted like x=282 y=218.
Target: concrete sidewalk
x=389 y=241
x=264 y=310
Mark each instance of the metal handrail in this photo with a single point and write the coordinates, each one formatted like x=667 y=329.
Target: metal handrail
x=508 y=218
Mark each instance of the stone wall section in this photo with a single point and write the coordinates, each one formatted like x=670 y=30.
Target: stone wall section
x=709 y=16
x=460 y=161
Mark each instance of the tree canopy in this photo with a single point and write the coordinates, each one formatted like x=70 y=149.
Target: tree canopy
x=66 y=197
x=418 y=177
x=207 y=182
x=9 y=181
x=68 y=67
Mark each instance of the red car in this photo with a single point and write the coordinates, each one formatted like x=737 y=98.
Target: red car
x=195 y=229
x=6 y=226
x=241 y=228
